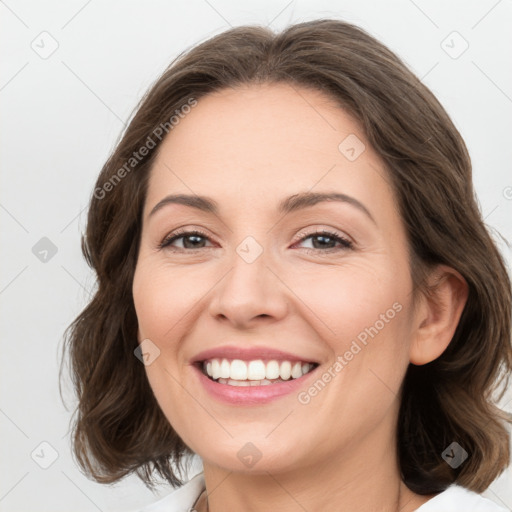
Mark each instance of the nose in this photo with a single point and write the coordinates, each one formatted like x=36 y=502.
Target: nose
x=250 y=293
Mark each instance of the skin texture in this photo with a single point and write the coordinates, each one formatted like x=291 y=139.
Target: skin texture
x=249 y=148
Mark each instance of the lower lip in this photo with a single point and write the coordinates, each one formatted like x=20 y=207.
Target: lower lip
x=251 y=395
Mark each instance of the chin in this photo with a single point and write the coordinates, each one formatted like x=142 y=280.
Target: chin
x=251 y=457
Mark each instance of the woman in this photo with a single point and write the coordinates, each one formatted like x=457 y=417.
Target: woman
x=294 y=283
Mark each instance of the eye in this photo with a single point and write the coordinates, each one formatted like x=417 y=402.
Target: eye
x=191 y=240
x=326 y=241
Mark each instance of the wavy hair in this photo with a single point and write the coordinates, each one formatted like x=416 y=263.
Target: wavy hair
x=118 y=427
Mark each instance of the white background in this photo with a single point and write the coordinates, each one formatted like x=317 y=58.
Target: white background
x=61 y=116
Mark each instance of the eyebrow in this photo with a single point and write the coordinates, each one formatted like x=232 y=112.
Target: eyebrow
x=288 y=205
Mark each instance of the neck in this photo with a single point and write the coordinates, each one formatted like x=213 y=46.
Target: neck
x=362 y=479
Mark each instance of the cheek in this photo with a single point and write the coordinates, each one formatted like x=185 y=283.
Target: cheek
x=349 y=299
x=363 y=315
x=364 y=318
x=161 y=302
x=164 y=297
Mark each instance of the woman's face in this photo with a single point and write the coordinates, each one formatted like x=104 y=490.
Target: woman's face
x=265 y=278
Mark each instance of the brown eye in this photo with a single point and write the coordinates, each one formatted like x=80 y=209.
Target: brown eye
x=324 y=241
x=191 y=240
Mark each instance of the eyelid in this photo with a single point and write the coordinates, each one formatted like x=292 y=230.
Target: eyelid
x=322 y=230
x=346 y=242
x=182 y=233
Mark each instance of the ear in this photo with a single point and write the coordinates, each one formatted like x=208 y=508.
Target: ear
x=437 y=314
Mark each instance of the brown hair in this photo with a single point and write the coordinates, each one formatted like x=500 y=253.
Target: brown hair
x=119 y=427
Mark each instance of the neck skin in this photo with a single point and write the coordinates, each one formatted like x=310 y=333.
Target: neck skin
x=363 y=476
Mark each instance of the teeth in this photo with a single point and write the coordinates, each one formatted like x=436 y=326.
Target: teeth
x=256 y=370
x=285 y=370
x=238 y=370
x=225 y=369
x=215 y=369
x=241 y=383
x=272 y=370
x=296 y=370
x=233 y=382
x=254 y=373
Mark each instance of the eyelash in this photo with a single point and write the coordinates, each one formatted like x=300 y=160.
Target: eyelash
x=346 y=244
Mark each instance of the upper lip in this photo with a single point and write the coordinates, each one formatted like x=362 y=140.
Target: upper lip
x=249 y=354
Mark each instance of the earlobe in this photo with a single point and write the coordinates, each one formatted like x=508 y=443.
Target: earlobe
x=438 y=314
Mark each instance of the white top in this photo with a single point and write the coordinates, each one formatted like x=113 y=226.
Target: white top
x=453 y=499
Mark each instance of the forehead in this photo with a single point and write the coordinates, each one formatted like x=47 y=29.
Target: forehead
x=260 y=143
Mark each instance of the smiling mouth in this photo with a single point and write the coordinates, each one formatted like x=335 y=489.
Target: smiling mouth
x=257 y=372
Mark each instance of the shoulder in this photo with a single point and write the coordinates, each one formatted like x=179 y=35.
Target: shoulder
x=456 y=498
x=181 y=499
